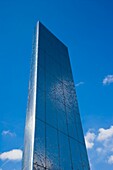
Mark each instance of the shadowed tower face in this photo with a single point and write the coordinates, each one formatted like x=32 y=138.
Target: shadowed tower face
x=53 y=133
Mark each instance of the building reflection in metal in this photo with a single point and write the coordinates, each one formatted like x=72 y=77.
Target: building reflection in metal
x=66 y=95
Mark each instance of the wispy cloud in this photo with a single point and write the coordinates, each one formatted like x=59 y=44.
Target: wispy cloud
x=8 y=133
x=108 y=80
x=80 y=83
x=110 y=159
x=89 y=139
x=13 y=155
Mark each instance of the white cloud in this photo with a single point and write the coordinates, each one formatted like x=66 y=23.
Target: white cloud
x=99 y=150
x=13 y=155
x=80 y=83
x=89 y=139
x=105 y=134
x=8 y=132
x=110 y=159
x=100 y=145
x=108 y=80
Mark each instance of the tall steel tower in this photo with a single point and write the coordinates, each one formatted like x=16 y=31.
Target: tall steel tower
x=53 y=133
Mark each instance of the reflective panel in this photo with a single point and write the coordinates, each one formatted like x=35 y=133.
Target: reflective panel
x=85 y=164
x=65 y=157
x=76 y=155
x=71 y=124
x=40 y=106
x=52 y=156
x=79 y=129
x=51 y=112
x=42 y=58
x=41 y=78
x=39 y=147
x=62 y=123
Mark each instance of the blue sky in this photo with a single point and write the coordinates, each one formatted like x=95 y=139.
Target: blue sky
x=86 y=27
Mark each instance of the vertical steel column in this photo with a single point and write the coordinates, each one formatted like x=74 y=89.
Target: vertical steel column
x=31 y=109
